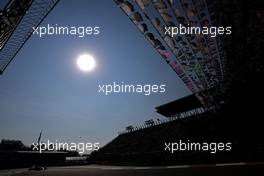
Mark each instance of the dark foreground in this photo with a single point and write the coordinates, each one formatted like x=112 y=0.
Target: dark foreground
x=218 y=170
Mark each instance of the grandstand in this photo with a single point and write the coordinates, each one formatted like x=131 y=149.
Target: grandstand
x=144 y=145
x=17 y=20
x=198 y=60
x=237 y=118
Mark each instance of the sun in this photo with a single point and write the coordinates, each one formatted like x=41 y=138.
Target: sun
x=86 y=62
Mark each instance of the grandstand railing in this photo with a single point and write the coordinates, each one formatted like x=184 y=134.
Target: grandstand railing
x=152 y=122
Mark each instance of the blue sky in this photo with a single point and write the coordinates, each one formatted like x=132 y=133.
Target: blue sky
x=43 y=88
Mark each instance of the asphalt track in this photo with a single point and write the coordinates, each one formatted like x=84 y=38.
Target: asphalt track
x=186 y=170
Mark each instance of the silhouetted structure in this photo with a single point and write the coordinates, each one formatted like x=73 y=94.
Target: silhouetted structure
x=19 y=159
x=178 y=106
x=237 y=118
x=17 y=20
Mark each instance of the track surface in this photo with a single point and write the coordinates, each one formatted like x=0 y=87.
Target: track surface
x=201 y=170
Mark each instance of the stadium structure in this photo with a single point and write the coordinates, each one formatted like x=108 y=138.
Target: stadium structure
x=197 y=59
x=17 y=20
x=221 y=72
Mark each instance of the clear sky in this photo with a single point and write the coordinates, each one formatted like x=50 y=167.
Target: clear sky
x=43 y=88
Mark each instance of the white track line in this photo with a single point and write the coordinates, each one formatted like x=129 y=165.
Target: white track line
x=138 y=168
x=180 y=166
x=230 y=164
x=112 y=168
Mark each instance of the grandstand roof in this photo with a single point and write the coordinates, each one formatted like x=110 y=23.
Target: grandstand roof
x=181 y=105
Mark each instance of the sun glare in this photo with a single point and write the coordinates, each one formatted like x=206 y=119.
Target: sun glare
x=86 y=62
